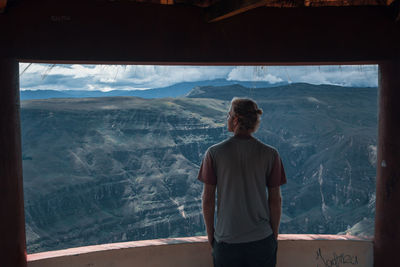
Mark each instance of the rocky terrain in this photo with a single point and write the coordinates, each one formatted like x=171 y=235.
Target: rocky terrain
x=100 y=170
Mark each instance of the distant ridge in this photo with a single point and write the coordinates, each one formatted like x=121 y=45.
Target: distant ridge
x=225 y=92
x=176 y=90
x=42 y=94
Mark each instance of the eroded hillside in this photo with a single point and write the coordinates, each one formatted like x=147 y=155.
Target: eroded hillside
x=100 y=170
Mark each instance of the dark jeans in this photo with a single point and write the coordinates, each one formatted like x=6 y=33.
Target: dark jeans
x=260 y=253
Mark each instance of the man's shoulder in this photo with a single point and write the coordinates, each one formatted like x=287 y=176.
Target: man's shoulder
x=268 y=148
x=219 y=145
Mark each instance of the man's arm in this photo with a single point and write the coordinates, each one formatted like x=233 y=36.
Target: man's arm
x=275 y=205
x=208 y=203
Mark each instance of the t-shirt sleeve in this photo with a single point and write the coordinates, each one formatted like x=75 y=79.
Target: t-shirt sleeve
x=277 y=176
x=207 y=172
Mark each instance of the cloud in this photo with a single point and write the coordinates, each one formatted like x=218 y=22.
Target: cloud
x=352 y=75
x=246 y=73
x=161 y=76
x=104 y=77
x=129 y=77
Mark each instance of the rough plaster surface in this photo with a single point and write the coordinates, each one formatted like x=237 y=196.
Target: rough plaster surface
x=294 y=250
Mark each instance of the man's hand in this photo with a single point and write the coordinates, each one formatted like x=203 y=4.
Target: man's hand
x=275 y=205
x=208 y=203
x=210 y=239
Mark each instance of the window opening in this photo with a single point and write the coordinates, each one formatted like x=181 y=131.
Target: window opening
x=111 y=153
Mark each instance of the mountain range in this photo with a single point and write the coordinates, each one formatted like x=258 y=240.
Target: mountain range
x=112 y=169
x=175 y=90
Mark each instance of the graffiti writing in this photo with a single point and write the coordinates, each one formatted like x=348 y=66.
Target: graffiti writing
x=336 y=260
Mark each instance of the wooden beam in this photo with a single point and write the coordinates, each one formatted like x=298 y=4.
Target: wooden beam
x=228 y=8
x=12 y=222
x=161 y=2
x=396 y=8
x=3 y=4
x=198 y=3
x=318 y=3
x=387 y=216
x=268 y=3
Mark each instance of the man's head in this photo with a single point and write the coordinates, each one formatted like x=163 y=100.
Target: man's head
x=244 y=116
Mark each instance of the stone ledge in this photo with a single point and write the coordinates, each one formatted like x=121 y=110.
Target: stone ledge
x=173 y=241
x=114 y=246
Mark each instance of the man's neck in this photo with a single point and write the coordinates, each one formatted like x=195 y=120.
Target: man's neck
x=242 y=134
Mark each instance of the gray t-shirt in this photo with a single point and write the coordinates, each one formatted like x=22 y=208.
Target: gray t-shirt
x=242 y=169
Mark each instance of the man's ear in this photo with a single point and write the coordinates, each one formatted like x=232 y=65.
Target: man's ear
x=235 y=121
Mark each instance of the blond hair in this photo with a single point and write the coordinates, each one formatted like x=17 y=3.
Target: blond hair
x=247 y=113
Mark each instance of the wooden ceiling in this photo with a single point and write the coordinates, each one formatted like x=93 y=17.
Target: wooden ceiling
x=220 y=9
x=154 y=33
x=275 y=3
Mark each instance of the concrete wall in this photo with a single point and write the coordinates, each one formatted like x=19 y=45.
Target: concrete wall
x=294 y=250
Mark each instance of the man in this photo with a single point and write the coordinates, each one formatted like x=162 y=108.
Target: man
x=241 y=169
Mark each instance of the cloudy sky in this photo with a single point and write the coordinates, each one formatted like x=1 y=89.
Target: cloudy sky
x=116 y=77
